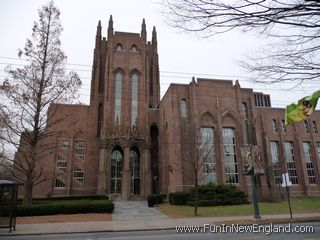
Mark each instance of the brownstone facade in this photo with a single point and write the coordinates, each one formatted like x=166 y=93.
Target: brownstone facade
x=126 y=142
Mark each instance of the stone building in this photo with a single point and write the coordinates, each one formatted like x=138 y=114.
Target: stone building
x=127 y=142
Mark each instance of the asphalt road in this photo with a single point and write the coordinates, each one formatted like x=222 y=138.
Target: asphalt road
x=172 y=234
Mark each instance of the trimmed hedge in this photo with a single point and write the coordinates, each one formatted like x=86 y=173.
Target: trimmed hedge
x=179 y=198
x=53 y=199
x=210 y=195
x=91 y=197
x=66 y=207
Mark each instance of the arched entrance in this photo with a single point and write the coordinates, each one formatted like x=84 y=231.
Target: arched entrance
x=116 y=170
x=134 y=163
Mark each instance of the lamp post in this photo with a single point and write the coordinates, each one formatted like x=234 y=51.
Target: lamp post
x=253 y=177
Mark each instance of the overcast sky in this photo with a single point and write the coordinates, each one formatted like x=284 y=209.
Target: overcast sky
x=181 y=55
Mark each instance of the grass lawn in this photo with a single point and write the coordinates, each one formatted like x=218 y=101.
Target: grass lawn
x=298 y=204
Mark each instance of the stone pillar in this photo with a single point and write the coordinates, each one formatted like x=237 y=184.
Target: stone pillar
x=125 y=194
x=108 y=169
x=146 y=174
x=102 y=174
x=220 y=154
x=69 y=173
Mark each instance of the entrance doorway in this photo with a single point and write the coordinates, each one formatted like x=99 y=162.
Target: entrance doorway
x=134 y=171
x=116 y=171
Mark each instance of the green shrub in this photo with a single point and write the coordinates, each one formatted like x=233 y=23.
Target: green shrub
x=179 y=198
x=218 y=194
x=210 y=195
x=66 y=207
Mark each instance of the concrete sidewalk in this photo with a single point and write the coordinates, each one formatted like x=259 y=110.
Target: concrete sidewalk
x=135 y=225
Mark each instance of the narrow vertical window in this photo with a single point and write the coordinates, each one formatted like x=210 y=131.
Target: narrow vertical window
x=117 y=107
x=306 y=126
x=208 y=156
x=318 y=150
x=283 y=125
x=258 y=97
x=183 y=108
x=291 y=163
x=276 y=167
x=134 y=98
x=255 y=100
x=315 y=127
x=245 y=110
x=274 y=125
x=265 y=98
x=100 y=120
x=230 y=155
x=309 y=164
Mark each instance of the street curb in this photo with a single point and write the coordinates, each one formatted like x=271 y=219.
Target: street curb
x=271 y=220
x=240 y=222
x=100 y=231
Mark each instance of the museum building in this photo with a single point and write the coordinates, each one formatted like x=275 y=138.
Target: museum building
x=128 y=143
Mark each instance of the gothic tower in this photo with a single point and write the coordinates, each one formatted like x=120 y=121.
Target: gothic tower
x=125 y=94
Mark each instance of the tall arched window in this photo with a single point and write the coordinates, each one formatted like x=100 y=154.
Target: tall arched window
x=207 y=149
x=134 y=98
x=117 y=107
x=245 y=110
x=275 y=158
x=183 y=108
x=230 y=155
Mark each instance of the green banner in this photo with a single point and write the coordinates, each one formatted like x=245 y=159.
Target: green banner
x=302 y=110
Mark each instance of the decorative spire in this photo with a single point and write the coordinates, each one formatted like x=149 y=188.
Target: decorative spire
x=110 y=28
x=143 y=30
x=98 y=35
x=237 y=84
x=154 y=35
x=154 y=39
x=99 y=28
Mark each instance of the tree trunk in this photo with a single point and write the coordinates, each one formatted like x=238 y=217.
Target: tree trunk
x=196 y=199
x=28 y=187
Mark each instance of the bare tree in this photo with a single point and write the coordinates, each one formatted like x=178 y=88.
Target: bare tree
x=5 y=165
x=294 y=27
x=28 y=92
x=197 y=163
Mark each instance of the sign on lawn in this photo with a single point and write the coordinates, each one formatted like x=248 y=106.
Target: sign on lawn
x=285 y=180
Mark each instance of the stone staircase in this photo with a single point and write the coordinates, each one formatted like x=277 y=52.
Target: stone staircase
x=135 y=210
